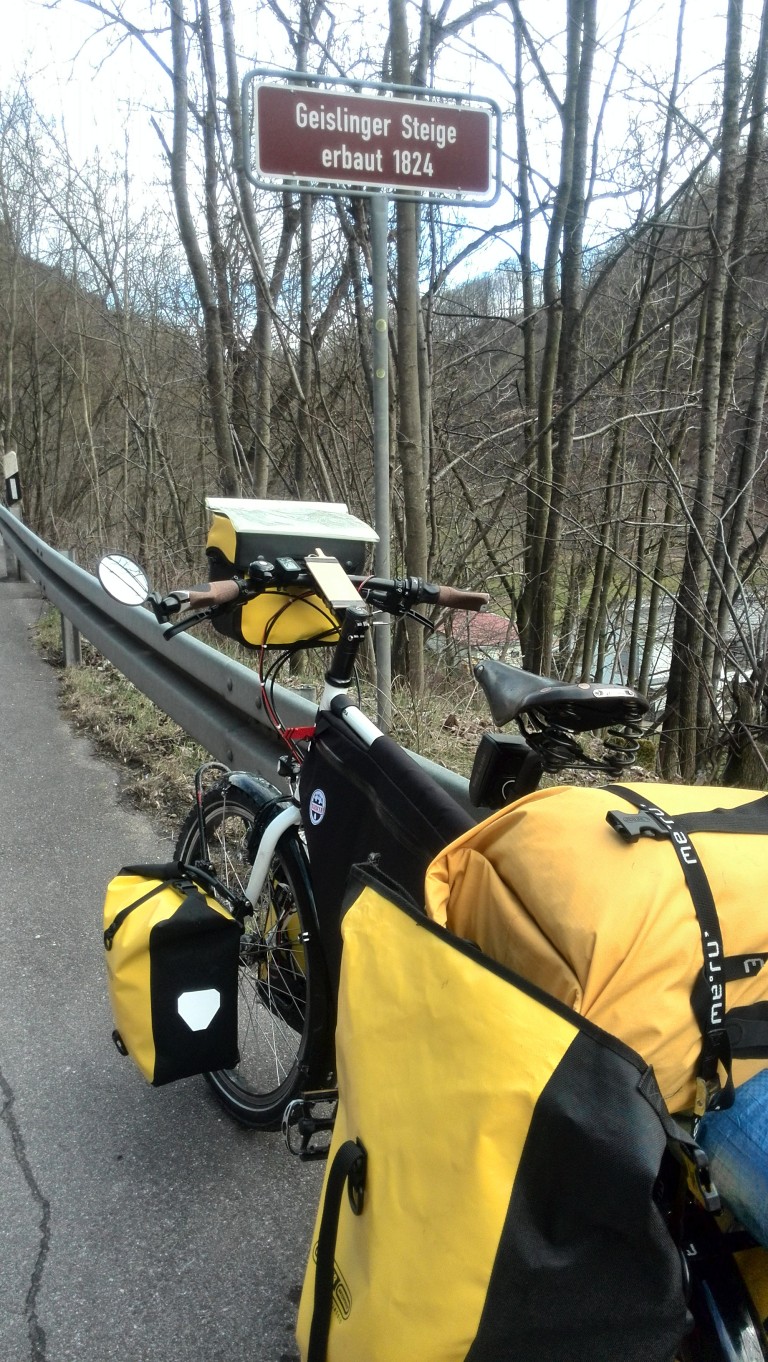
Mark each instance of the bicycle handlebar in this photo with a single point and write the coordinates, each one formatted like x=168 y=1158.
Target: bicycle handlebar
x=393 y=595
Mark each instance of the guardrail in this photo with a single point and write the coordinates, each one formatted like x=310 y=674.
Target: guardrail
x=216 y=700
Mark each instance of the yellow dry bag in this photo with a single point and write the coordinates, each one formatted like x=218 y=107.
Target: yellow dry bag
x=641 y=906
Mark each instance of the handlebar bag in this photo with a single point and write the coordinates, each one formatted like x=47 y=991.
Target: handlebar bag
x=588 y=893
x=172 y=955
x=243 y=530
x=276 y=618
x=490 y=1194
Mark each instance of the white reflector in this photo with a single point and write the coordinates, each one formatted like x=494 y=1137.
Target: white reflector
x=199 y=1008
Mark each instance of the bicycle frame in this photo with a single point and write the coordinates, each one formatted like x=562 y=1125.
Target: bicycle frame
x=364 y=729
x=338 y=679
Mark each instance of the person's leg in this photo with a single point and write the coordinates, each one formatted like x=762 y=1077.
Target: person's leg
x=736 y=1144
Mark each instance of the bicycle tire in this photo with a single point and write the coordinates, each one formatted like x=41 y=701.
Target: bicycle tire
x=282 y=991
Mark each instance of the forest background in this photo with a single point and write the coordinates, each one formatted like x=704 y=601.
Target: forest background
x=578 y=375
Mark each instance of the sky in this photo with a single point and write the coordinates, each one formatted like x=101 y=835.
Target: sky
x=100 y=100
x=93 y=98
x=52 y=42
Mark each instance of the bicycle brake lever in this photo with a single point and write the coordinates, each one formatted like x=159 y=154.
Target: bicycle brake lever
x=198 y=618
x=421 y=619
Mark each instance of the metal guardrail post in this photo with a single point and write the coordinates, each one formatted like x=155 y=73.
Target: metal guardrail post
x=70 y=636
x=12 y=564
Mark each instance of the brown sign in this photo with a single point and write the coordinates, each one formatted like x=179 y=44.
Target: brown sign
x=352 y=139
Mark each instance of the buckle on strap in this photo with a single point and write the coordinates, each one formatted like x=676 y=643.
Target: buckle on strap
x=699 y=1175
x=695 y=1164
x=631 y=826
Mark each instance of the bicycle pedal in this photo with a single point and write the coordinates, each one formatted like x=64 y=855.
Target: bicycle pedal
x=308 y=1124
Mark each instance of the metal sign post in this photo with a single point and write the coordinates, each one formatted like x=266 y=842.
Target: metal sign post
x=382 y=633
x=327 y=135
x=11 y=476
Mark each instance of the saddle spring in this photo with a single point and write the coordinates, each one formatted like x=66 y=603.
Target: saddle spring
x=622 y=744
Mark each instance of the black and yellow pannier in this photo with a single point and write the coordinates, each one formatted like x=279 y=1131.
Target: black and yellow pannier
x=243 y=530
x=491 y=1191
x=172 y=955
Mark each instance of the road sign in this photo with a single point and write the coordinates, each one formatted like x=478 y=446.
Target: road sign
x=338 y=138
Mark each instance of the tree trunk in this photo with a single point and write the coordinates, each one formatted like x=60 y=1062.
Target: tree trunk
x=687 y=683
x=747 y=763
x=738 y=488
x=215 y=373
x=562 y=292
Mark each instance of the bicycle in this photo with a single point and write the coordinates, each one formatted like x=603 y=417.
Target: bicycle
x=356 y=792
x=267 y=846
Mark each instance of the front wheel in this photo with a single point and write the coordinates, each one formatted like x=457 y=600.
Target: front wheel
x=282 y=996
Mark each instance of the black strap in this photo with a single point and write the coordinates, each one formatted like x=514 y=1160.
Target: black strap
x=119 y=919
x=711 y=1018
x=682 y=1145
x=738 y=967
x=748 y=1030
x=744 y=818
x=170 y=872
x=349 y=1165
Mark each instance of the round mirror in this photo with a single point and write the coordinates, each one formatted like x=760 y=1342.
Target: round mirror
x=123 y=579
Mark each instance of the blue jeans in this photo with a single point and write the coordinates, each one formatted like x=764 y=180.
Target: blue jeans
x=736 y=1144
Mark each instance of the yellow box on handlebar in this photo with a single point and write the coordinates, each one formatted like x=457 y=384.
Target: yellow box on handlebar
x=244 y=529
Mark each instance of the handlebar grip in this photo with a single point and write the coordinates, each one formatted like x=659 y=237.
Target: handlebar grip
x=184 y=600
x=212 y=594
x=454 y=599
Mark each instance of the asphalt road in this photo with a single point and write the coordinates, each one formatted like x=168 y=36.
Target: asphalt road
x=136 y=1223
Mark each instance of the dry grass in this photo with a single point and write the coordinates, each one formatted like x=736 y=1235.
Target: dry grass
x=156 y=758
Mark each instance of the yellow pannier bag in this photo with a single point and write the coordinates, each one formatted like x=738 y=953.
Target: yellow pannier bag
x=585 y=893
x=172 y=955
x=501 y=1156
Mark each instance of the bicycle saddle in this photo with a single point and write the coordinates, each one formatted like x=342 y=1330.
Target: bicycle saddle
x=579 y=706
